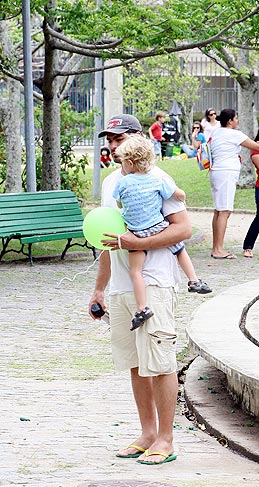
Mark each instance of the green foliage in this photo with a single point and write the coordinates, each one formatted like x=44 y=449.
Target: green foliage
x=74 y=128
x=155 y=82
x=10 y=8
x=144 y=25
x=244 y=71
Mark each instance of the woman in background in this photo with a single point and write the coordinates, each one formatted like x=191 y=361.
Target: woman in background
x=197 y=139
x=209 y=122
x=253 y=231
x=224 y=174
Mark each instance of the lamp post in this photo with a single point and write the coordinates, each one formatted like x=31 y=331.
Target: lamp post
x=98 y=81
x=98 y=127
x=28 y=98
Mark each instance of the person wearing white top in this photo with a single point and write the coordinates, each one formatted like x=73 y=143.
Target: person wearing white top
x=224 y=174
x=209 y=123
x=154 y=381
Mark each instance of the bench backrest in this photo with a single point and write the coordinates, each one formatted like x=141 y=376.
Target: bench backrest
x=46 y=211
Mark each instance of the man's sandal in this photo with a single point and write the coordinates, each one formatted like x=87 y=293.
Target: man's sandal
x=167 y=458
x=248 y=253
x=139 y=452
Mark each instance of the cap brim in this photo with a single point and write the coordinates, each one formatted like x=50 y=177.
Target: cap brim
x=112 y=131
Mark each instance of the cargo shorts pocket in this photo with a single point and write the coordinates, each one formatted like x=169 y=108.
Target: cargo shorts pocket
x=162 y=353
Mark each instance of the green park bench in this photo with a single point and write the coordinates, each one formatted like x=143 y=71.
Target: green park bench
x=40 y=217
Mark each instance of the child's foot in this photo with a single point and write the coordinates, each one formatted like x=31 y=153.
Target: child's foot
x=140 y=318
x=199 y=287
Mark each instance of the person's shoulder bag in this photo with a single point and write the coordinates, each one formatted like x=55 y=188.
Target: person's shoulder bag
x=203 y=156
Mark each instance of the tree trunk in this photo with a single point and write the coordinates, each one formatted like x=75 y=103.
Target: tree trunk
x=51 y=121
x=11 y=126
x=10 y=119
x=51 y=144
x=247 y=87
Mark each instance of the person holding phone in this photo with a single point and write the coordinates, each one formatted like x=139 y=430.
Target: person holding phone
x=197 y=139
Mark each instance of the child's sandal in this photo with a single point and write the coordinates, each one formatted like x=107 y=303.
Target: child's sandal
x=199 y=287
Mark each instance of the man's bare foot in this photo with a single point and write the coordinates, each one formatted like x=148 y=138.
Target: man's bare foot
x=224 y=255
x=136 y=448
x=158 y=446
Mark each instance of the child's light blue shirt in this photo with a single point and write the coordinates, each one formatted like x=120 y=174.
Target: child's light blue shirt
x=141 y=197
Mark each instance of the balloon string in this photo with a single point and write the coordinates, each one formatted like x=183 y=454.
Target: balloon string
x=80 y=273
x=119 y=241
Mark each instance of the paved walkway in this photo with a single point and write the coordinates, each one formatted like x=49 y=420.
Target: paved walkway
x=65 y=412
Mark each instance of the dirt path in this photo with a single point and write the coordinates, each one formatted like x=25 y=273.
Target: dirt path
x=56 y=371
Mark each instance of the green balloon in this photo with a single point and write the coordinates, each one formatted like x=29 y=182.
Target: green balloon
x=102 y=220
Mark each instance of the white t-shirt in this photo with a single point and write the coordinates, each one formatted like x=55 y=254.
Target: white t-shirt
x=161 y=266
x=225 y=149
x=208 y=129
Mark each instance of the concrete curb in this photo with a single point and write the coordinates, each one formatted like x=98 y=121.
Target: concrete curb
x=211 y=210
x=207 y=397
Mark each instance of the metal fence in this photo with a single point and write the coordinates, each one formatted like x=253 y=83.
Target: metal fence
x=216 y=88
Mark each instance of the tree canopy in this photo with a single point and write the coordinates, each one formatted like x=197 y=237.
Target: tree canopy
x=124 y=32
x=134 y=29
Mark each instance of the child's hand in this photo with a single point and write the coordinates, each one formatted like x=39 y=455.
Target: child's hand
x=180 y=195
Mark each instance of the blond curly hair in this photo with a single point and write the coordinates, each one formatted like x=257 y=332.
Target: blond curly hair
x=138 y=150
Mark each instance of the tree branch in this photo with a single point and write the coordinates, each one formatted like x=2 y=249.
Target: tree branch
x=3 y=19
x=239 y=46
x=213 y=56
x=102 y=44
x=12 y=75
x=72 y=63
x=94 y=70
x=62 y=42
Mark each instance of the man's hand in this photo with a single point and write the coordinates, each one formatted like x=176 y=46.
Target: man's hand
x=127 y=241
x=179 y=229
x=98 y=297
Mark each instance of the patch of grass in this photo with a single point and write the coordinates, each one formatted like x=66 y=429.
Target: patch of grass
x=77 y=366
x=194 y=182
x=40 y=249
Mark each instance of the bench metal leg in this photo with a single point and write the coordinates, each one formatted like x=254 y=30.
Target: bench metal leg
x=5 y=243
x=69 y=244
x=30 y=253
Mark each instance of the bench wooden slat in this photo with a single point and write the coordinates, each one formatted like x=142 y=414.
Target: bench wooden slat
x=42 y=216
x=40 y=195
x=35 y=224
x=46 y=238
x=30 y=209
x=40 y=229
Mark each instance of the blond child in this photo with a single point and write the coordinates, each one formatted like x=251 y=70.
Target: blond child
x=140 y=195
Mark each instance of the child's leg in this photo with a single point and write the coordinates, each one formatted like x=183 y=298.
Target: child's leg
x=194 y=284
x=187 y=265
x=136 y=262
